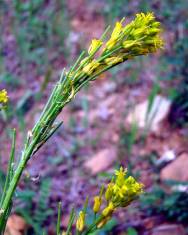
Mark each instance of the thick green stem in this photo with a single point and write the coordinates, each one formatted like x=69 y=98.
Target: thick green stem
x=10 y=168
x=13 y=183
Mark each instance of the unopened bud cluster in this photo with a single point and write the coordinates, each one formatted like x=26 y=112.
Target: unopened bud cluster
x=139 y=37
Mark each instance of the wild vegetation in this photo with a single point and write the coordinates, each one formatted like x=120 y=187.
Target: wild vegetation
x=39 y=38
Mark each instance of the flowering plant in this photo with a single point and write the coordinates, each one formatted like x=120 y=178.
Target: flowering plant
x=139 y=37
x=120 y=192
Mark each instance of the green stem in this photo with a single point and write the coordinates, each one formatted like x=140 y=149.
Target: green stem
x=58 y=219
x=10 y=167
x=93 y=225
x=15 y=180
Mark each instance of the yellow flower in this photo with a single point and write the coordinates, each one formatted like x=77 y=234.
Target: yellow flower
x=109 y=191
x=111 y=43
x=120 y=176
x=142 y=18
x=3 y=96
x=142 y=35
x=114 y=36
x=95 y=44
x=157 y=42
x=80 y=221
x=121 y=192
x=113 y=60
x=117 y=30
x=89 y=68
x=108 y=210
x=97 y=204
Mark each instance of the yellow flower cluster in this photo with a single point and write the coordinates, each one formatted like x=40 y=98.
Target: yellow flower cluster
x=123 y=190
x=120 y=192
x=3 y=96
x=141 y=36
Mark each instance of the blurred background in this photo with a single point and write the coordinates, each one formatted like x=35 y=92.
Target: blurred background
x=136 y=115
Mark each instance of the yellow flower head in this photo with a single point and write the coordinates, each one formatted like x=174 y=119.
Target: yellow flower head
x=120 y=176
x=89 y=68
x=3 y=96
x=95 y=44
x=143 y=35
x=117 y=30
x=80 y=221
x=123 y=191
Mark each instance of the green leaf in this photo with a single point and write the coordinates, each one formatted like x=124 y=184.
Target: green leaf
x=131 y=231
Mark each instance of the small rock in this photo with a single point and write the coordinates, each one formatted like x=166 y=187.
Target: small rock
x=16 y=225
x=109 y=87
x=180 y=188
x=176 y=170
x=104 y=113
x=169 y=229
x=101 y=161
x=150 y=222
x=158 y=112
x=167 y=156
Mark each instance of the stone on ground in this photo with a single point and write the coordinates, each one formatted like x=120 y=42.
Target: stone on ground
x=101 y=160
x=176 y=170
x=151 y=120
x=169 y=229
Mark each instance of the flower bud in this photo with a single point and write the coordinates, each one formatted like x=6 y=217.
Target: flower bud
x=89 y=68
x=97 y=204
x=108 y=210
x=109 y=191
x=95 y=44
x=3 y=96
x=80 y=221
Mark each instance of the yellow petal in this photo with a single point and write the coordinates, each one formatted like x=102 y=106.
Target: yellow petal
x=97 y=204
x=3 y=96
x=89 y=68
x=95 y=44
x=108 y=210
x=80 y=221
x=117 y=30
